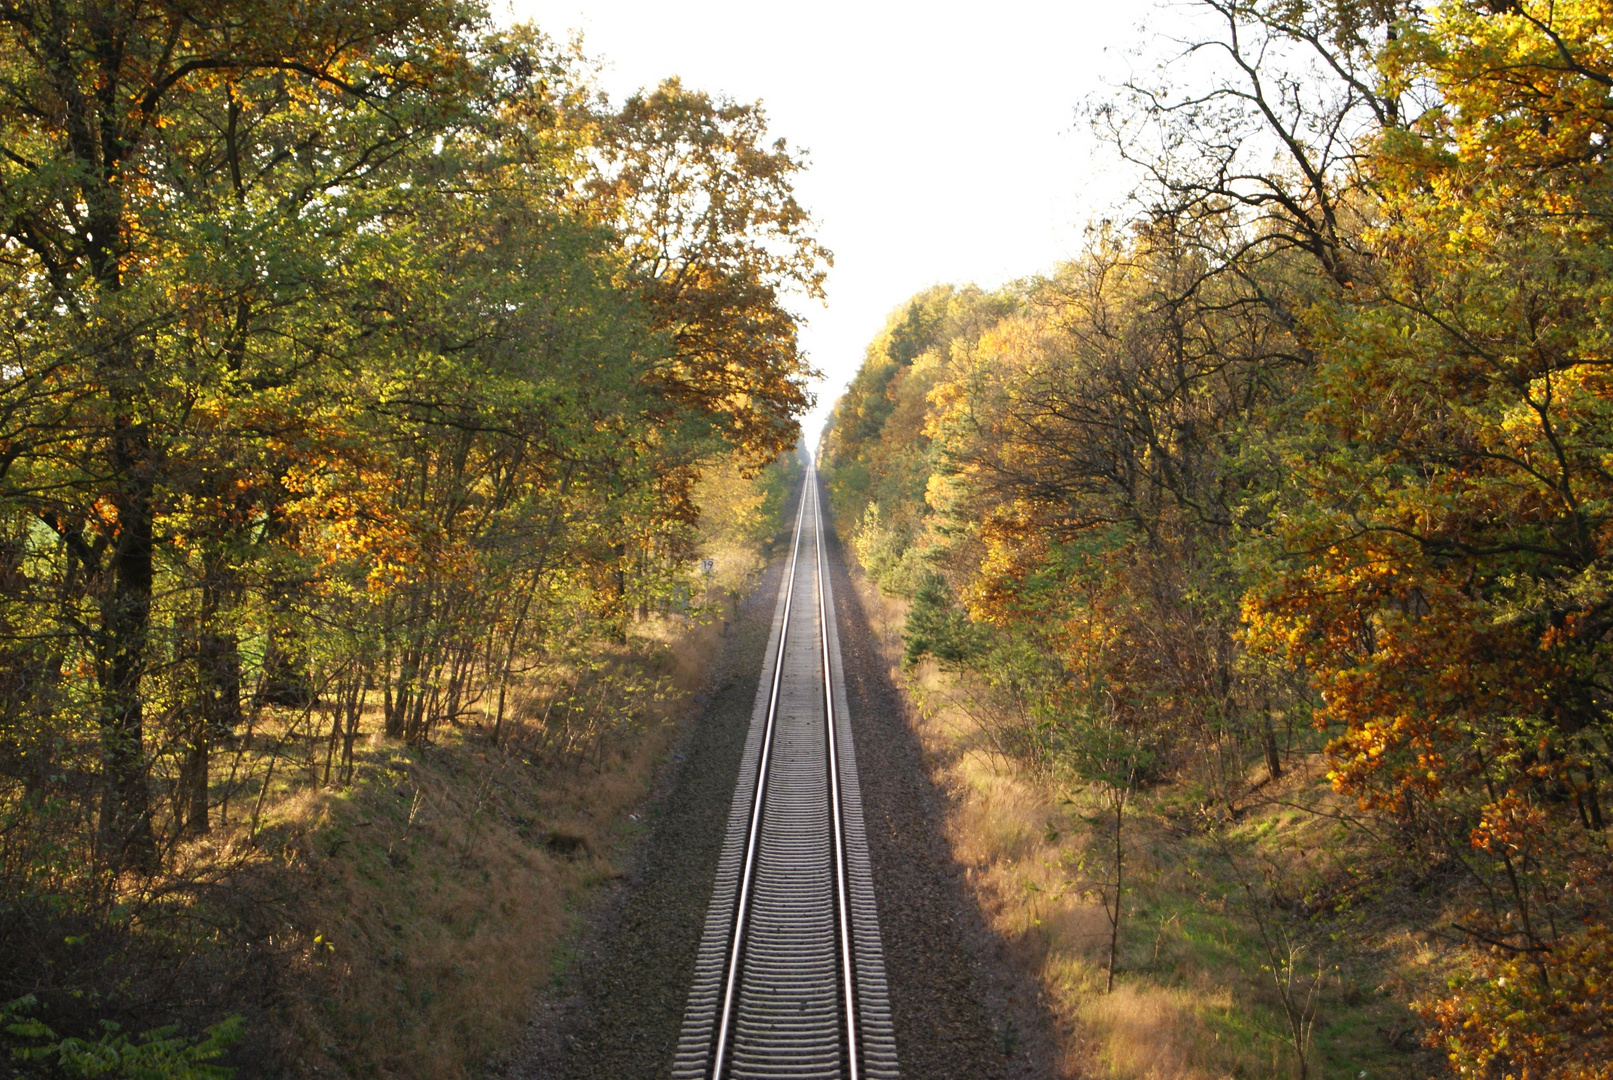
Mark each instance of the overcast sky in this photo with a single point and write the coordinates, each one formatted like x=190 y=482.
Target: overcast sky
x=943 y=138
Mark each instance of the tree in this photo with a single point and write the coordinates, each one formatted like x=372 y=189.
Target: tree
x=715 y=241
x=114 y=117
x=1113 y=761
x=1444 y=580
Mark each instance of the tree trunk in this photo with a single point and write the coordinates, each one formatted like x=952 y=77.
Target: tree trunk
x=1268 y=738
x=1590 y=805
x=1114 y=924
x=397 y=721
x=218 y=671
x=285 y=679
x=194 y=782
x=126 y=837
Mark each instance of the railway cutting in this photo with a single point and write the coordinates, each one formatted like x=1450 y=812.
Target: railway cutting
x=790 y=980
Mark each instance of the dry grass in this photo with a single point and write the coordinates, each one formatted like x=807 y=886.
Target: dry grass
x=1151 y=1032
x=1191 y=1001
x=442 y=886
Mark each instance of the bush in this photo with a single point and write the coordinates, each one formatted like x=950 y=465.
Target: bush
x=1522 y=1016
x=160 y=1054
x=888 y=553
x=937 y=627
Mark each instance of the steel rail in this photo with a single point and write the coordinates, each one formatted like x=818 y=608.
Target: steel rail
x=842 y=902
x=789 y=978
x=748 y=873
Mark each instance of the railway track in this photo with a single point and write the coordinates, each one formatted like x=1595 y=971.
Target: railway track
x=790 y=980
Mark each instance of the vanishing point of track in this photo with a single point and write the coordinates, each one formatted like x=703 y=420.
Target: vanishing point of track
x=790 y=980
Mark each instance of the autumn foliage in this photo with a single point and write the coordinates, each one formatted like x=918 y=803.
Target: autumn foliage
x=1323 y=441
x=356 y=356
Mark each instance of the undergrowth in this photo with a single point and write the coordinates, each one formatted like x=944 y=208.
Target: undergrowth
x=1234 y=924
x=450 y=877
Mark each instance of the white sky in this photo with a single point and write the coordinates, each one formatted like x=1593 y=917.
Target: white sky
x=943 y=137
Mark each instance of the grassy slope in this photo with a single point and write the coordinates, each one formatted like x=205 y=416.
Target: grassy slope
x=1195 y=996
x=441 y=888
